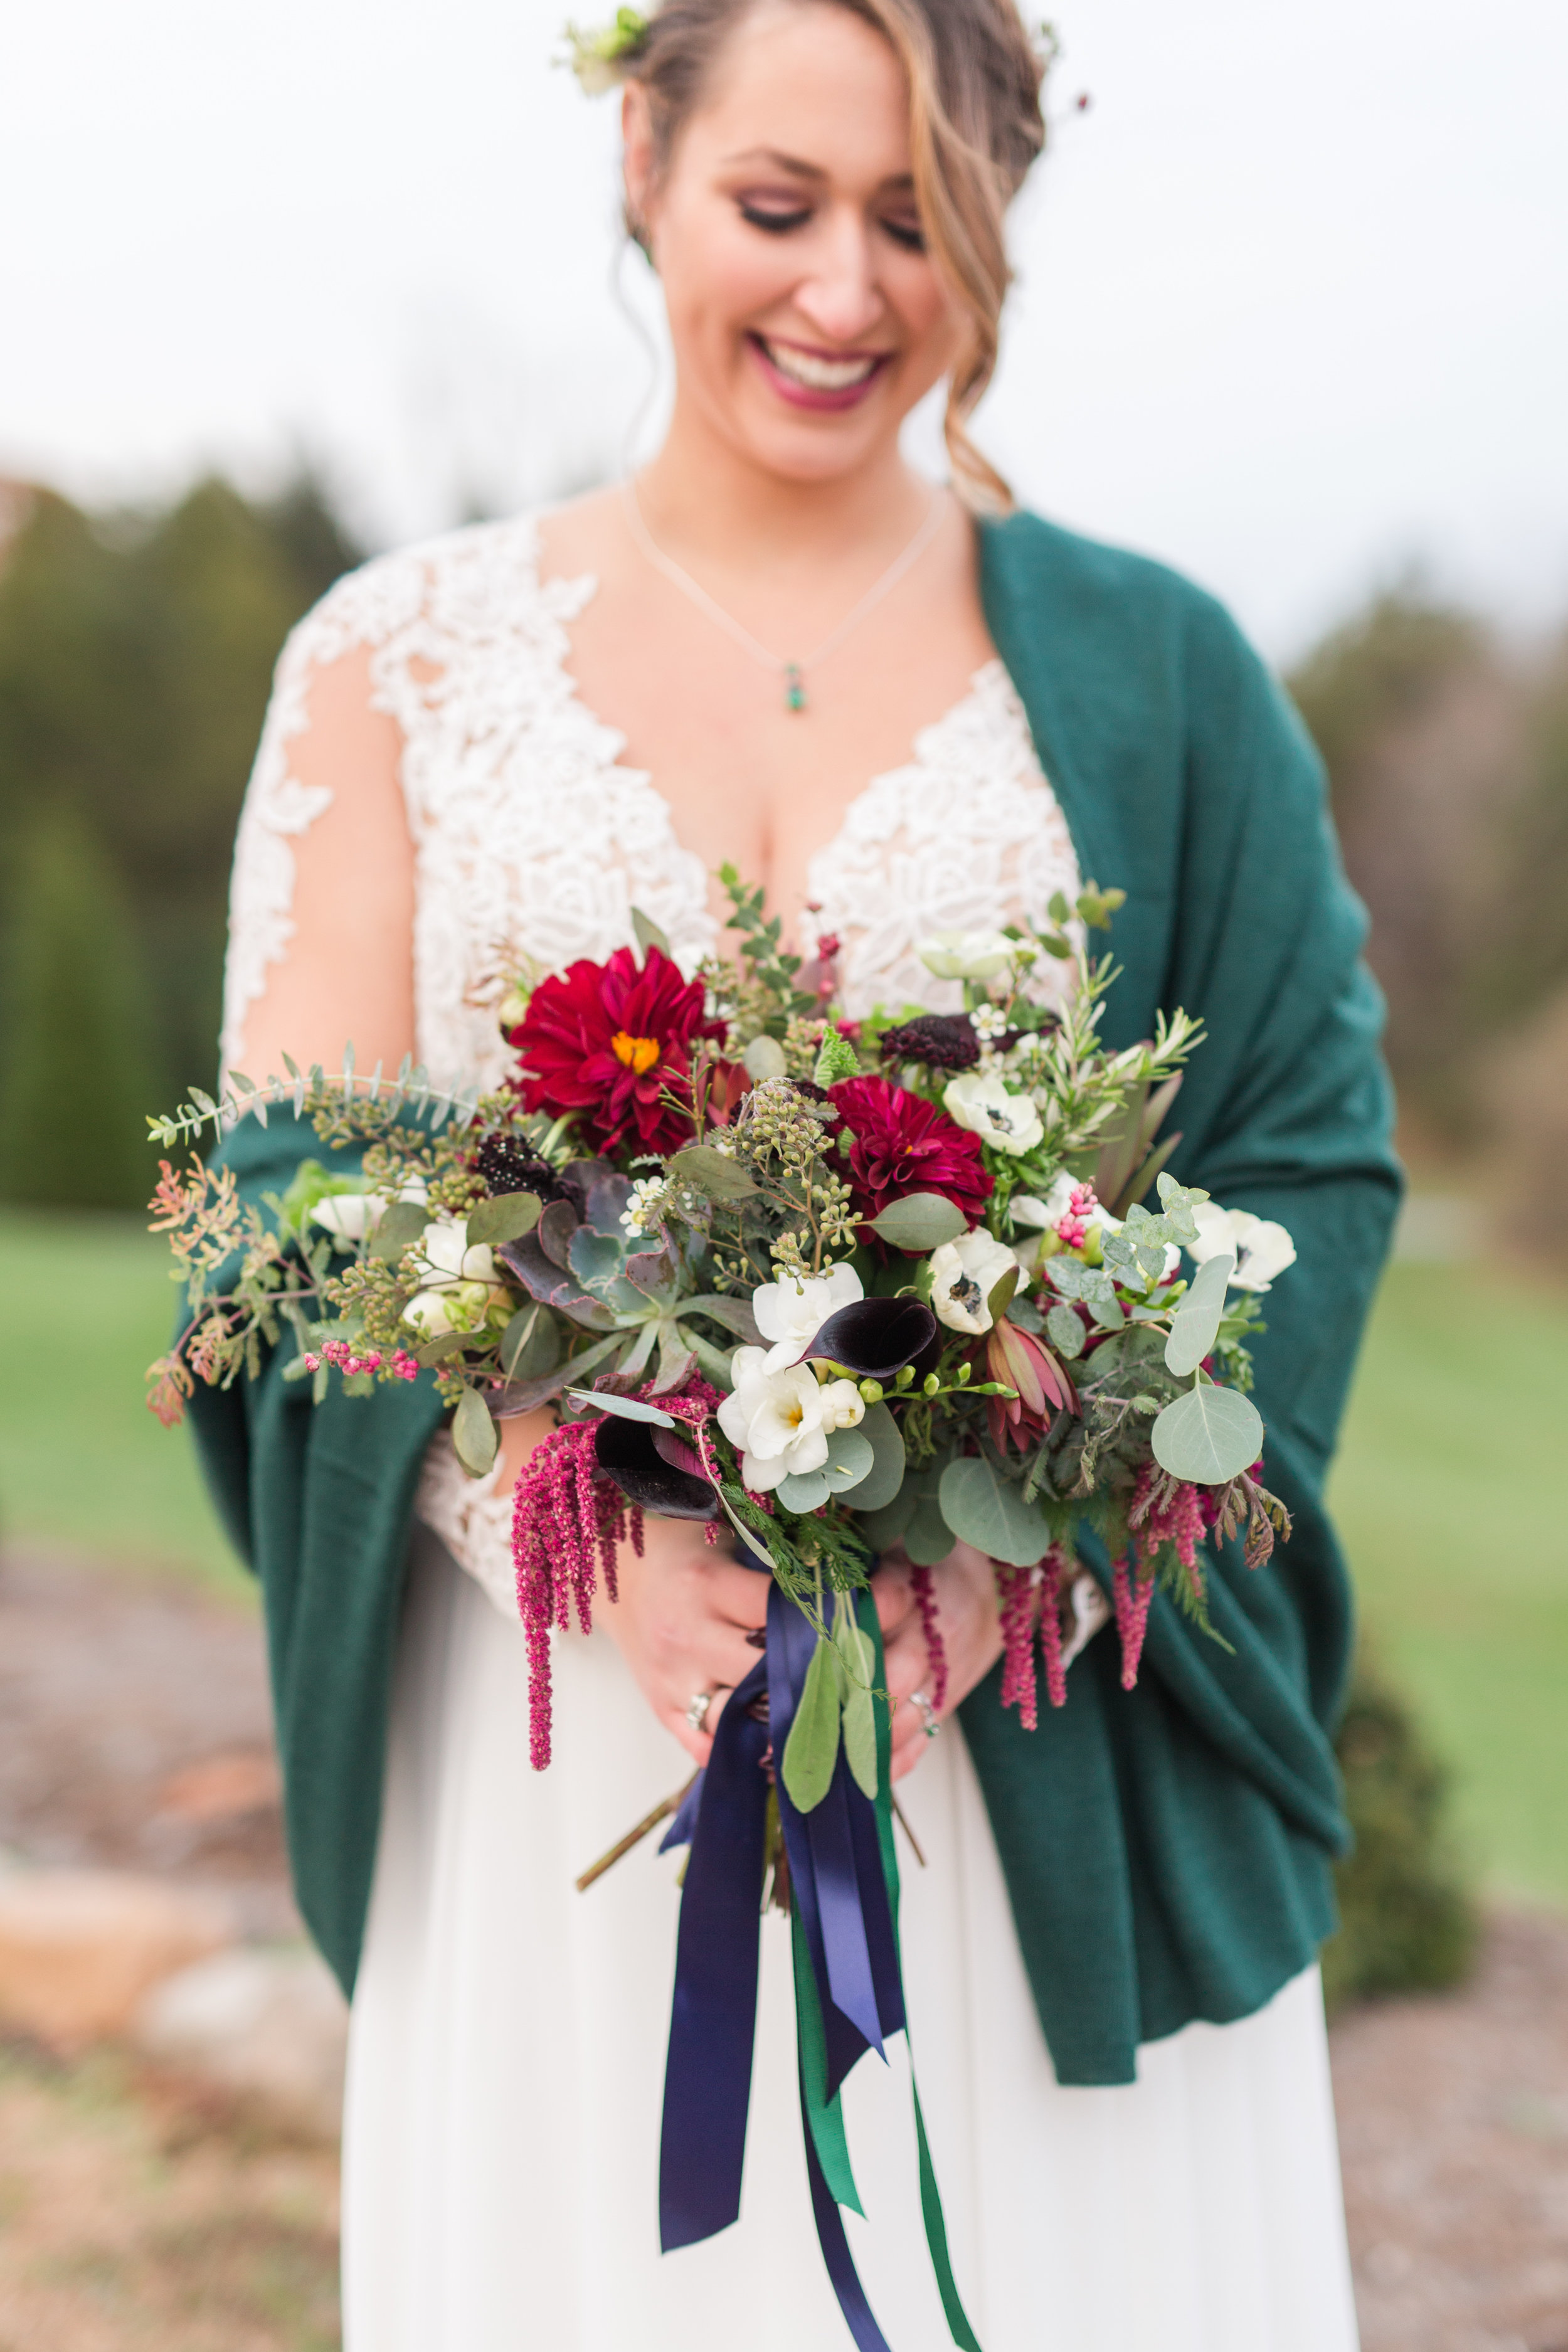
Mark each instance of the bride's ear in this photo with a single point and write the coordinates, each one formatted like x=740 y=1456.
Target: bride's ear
x=638 y=164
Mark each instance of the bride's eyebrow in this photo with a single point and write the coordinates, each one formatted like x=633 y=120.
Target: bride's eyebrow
x=781 y=162
x=898 y=184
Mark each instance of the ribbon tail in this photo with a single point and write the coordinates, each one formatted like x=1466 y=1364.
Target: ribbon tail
x=823 y=2113
x=713 y=2016
x=835 y=2244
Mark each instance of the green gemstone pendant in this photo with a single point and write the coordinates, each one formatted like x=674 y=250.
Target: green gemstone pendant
x=795 y=688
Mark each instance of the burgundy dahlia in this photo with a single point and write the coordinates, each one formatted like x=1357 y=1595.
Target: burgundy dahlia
x=608 y=1041
x=899 y=1143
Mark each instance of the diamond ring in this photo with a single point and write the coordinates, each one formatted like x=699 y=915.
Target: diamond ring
x=919 y=1700
x=697 y=1710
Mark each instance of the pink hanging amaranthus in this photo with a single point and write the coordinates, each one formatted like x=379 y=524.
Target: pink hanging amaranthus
x=924 y=1592
x=566 y=1521
x=1164 y=1510
x=1031 y=1601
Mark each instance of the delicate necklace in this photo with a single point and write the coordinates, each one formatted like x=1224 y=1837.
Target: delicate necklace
x=792 y=672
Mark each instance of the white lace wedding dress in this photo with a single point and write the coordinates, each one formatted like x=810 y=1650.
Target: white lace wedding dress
x=507 y=2055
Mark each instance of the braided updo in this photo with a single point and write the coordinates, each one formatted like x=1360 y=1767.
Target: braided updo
x=974 y=81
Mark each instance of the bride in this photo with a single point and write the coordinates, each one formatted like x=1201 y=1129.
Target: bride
x=901 y=708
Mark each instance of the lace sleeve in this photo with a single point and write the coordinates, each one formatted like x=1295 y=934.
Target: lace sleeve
x=280 y=807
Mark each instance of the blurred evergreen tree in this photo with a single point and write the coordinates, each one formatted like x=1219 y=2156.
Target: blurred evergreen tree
x=74 y=1092
x=1408 y=1920
x=136 y=654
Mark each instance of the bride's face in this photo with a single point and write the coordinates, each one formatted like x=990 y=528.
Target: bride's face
x=806 y=316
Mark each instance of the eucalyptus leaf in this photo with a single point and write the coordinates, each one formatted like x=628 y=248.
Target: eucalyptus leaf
x=1065 y=1333
x=397 y=1229
x=811 y=1750
x=505 y=1219
x=851 y=1457
x=861 y=1738
x=920 y=1222
x=1207 y=1435
x=735 y=1314
x=884 y=1527
x=928 y=1539
x=647 y=932
x=885 y=1477
x=530 y=1344
x=1001 y=1293
x=856 y=1654
x=1195 y=1326
x=474 y=1435
x=713 y=1172
x=986 y=1510
x=803 y=1490
x=627 y=1408
x=764 y=1058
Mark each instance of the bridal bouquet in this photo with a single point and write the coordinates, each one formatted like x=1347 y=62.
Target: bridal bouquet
x=829 y=1287
x=836 y=1285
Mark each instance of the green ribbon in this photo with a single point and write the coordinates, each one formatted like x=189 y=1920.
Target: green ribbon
x=825 y=2116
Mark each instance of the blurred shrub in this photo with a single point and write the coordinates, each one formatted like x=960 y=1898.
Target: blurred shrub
x=75 y=1082
x=1408 y=1920
x=136 y=653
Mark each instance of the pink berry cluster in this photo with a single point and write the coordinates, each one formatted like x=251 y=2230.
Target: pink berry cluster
x=341 y=1357
x=1072 y=1226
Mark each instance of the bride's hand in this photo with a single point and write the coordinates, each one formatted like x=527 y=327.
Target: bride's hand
x=681 y=1622
x=964 y=1590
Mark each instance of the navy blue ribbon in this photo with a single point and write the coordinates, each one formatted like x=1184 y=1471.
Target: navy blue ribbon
x=713 y=2019
x=840 y=1892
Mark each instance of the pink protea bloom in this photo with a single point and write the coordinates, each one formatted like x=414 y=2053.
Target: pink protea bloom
x=1020 y=1361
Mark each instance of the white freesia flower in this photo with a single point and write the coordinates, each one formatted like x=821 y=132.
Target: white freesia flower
x=348 y=1216
x=967 y=955
x=963 y=1274
x=980 y=1101
x=790 y=1313
x=351 y=1216
x=1262 y=1248
x=781 y=1418
x=457 y=1279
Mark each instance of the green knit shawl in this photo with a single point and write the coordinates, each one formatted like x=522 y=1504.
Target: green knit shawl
x=1167 y=1851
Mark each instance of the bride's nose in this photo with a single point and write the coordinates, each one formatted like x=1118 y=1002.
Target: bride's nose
x=841 y=297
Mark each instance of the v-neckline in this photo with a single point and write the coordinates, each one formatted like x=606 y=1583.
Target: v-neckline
x=579 y=589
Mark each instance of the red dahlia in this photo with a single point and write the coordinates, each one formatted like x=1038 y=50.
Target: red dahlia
x=902 y=1144
x=607 y=1040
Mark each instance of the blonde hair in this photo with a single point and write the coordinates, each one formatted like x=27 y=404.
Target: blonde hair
x=975 y=127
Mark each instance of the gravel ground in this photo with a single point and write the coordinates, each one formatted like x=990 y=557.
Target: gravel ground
x=136 y=2213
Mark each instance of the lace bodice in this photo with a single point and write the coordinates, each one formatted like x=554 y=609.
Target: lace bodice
x=533 y=841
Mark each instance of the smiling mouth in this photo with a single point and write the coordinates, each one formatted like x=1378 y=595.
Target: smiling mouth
x=815 y=372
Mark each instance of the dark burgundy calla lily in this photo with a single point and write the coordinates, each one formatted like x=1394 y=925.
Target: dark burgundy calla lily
x=628 y=1452
x=875 y=1338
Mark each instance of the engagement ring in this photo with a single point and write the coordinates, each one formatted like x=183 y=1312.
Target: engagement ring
x=697 y=1710
x=927 y=1713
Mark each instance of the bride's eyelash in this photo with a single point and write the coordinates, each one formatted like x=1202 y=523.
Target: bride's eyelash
x=775 y=223
x=904 y=234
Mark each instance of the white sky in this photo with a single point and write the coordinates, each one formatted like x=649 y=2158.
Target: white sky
x=1291 y=309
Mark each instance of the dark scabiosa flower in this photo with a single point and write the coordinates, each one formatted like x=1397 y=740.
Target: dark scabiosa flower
x=944 y=1040
x=507 y=1165
x=899 y=1143
x=608 y=1041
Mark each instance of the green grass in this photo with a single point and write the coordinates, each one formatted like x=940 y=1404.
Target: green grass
x=1450 y=1492
x=85 y=1303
